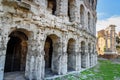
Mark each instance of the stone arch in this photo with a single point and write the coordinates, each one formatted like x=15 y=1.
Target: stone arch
x=71 y=8
x=82 y=14
x=16 y=52
x=51 y=6
x=83 y=61
x=89 y=20
x=71 y=54
x=51 y=57
x=25 y=31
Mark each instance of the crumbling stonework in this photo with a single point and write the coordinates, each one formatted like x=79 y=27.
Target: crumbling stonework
x=37 y=36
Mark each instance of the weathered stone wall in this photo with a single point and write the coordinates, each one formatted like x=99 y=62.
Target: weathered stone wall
x=38 y=23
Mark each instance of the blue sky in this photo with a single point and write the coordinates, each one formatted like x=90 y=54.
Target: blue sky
x=108 y=12
x=108 y=8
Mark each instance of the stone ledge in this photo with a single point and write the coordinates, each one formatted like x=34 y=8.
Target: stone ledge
x=109 y=56
x=17 y=4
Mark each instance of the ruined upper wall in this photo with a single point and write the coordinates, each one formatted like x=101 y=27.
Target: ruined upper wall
x=74 y=13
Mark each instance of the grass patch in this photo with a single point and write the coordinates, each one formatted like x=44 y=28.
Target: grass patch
x=105 y=70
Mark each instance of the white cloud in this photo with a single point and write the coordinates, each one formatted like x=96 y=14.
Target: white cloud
x=102 y=24
x=101 y=14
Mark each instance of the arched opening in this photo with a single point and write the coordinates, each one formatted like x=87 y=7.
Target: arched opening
x=71 y=53
x=89 y=27
x=83 y=61
x=16 y=52
x=51 y=49
x=71 y=8
x=82 y=15
x=52 y=6
x=48 y=53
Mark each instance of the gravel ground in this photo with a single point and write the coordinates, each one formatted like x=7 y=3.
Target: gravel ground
x=14 y=76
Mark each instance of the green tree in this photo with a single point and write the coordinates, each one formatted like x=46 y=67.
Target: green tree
x=117 y=39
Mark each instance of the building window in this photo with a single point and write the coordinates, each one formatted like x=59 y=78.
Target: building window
x=71 y=9
x=82 y=15
x=89 y=22
x=52 y=6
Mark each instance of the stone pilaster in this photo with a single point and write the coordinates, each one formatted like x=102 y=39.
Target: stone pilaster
x=62 y=7
x=78 y=57
x=75 y=61
x=3 y=48
x=64 y=63
x=35 y=61
x=87 y=59
x=40 y=66
x=83 y=60
x=57 y=55
x=92 y=60
x=78 y=61
x=2 y=57
x=64 y=57
x=30 y=61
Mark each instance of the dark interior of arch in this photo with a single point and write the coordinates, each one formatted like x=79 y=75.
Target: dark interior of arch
x=48 y=52
x=70 y=52
x=16 y=52
x=19 y=34
x=83 y=54
x=69 y=10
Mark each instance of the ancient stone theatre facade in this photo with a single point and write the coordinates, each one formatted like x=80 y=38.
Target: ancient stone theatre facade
x=43 y=38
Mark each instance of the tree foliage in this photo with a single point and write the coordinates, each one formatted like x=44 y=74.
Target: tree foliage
x=117 y=39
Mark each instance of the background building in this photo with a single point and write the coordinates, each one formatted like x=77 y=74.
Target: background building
x=106 y=42
x=118 y=43
x=101 y=42
x=43 y=38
